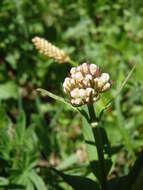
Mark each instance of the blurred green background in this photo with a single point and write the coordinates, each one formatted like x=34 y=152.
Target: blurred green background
x=37 y=132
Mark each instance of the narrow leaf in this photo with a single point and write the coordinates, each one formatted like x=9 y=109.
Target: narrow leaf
x=37 y=181
x=78 y=182
x=55 y=97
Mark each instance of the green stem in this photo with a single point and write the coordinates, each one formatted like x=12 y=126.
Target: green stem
x=73 y=63
x=99 y=146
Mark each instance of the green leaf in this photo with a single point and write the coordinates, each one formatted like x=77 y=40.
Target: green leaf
x=121 y=87
x=20 y=131
x=78 y=182
x=37 y=181
x=12 y=186
x=3 y=181
x=118 y=183
x=8 y=90
x=72 y=159
x=55 y=97
x=95 y=167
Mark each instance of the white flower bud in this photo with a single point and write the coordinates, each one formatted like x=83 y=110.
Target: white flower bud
x=73 y=70
x=96 y=98
x=103 y=80
x=79 y=68
x=66 y=82
x=96 y=82
x=75 y=93
x=76 y=102
x=105 y=77
x=88 y=77
x=67 y=90
x=78 y=76
x=85 y=68
x=106 y=87
x=100 y=83
x=82 y=93
x=87 y=99
x=93 y=68
x=89 y=91
x=72 y=81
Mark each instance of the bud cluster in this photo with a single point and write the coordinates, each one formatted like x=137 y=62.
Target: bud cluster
x=49 y=50
x=85 y=83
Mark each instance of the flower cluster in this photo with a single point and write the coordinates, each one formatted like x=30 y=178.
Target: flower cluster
x=85 y=83
x=49 y=50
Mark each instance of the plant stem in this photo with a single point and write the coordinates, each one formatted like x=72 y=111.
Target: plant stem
x=99 y=146
x=73 y=63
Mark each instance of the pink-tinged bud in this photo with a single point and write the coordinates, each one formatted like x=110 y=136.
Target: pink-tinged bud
x=88 y=77
x=78 y=76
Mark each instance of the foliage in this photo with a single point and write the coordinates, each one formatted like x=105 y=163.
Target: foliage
x=41 y=141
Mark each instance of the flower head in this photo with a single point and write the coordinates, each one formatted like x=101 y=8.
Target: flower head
x=85 y=84
x=49 y=50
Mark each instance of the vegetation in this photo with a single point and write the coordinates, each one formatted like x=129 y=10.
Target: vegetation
x=47 y=144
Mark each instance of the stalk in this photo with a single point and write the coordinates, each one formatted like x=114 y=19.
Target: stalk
x=99 y=146
x=73 y=63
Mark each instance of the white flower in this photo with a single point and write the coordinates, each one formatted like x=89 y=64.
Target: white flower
x=85 y=84
x=101 y=81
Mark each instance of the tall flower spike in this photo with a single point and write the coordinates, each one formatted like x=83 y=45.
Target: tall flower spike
x=49 y=50
x=85 y=84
